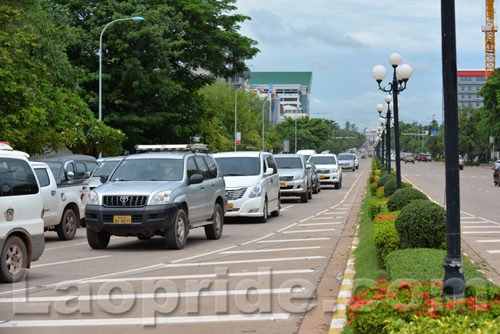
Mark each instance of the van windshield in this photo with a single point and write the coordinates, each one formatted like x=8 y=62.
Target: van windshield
x=323 y=160
x=239 y=166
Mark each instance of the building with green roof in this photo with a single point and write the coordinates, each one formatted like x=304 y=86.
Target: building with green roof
x=292 y=88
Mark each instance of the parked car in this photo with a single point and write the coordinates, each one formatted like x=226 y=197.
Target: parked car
x=105 y=168
x=252 y=184
x=69 y=169
x=306 y=153
x=460 y=162
x=21 y=211
x=316 y=185
x=295 y=176
x=346 y=161
x=162 y=193
x=63 y=206
x=328 y=168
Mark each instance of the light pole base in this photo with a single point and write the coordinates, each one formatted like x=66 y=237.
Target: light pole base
x=454 y=281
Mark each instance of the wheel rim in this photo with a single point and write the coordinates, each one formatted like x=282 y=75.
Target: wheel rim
x=217 y=221
x=70 y=224
x=14 y=260
x=181 y=231
x=265 y=210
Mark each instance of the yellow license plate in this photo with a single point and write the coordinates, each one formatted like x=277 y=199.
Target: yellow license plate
x=122 y=219
x=282 y=184
x=321 y=176
x=229 y=206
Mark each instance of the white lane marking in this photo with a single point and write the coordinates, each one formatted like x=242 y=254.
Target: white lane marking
x=494 y=251
x=478 y=222
x=269 y=250
x=307 y=231
x=315 y=224
x=287 y=207
x=479 y=232
x=480 y=226
x=321 y=218
x=214 y=275
x=487 y=240
x=59 y=247
x=70 y=261
x=141 y=321
x=292 y=240
x=157 y=294
x=176 y=265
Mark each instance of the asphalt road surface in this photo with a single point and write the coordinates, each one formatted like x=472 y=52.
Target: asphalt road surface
x=258 y=278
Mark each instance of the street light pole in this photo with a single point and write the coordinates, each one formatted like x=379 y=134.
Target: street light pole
x=135 y=18
x=263 y=104
x=236 y=114
x=401 y=74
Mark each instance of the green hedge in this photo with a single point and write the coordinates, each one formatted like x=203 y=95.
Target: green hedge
x=376 y=206
x=402 y=197
x=385 y=236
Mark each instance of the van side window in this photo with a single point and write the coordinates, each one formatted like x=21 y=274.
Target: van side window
x=272 y=164
x=42 y=176
x=16 y=178
x=80 y=170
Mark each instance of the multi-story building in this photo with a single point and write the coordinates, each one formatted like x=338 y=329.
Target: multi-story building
x=291 y=89
x=469 y=83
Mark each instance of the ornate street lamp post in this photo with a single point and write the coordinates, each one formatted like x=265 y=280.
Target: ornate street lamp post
x=401 y=74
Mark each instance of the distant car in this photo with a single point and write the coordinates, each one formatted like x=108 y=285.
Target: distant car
x=329 y=169
x=429 y=157
x=69 y=169
x=422 y=157
x=460 y=162
x=316 y=185
x=306 y=153
x=346 y=161
x=409 y=157
x=295 y=176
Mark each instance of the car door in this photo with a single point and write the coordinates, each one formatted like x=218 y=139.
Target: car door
x=195 y=192
x=208 y=187
x=272 y=183
x=49 y=192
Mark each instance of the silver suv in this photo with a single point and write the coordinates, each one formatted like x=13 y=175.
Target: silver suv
x=295 y=176
x=158 y=193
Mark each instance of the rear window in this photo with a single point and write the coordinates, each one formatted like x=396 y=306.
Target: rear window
x=323 y=160
x=16 y=178
x=289 y=163
x=239 y=166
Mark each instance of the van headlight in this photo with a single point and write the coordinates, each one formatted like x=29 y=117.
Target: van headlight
x=256 y=191
x=163 y=197
x=93 y=198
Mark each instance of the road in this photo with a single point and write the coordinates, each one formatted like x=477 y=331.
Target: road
x=258 y=278
x=479 y=200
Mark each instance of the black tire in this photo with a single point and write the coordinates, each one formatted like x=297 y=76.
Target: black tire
x=144 y=238
x=176 y=235
x=354 y=168
x=14 y=260
x=304 y=197
x=316 y=190
x=277 y=212
x=214 y=230
x=66 y=229
x=338 y=185
x=310 y=193
x=97 y=240
x=263 y=219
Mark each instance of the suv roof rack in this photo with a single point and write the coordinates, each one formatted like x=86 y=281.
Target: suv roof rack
x=177 y=147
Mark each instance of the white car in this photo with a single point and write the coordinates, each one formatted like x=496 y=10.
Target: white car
x=21 y=211
x=252 y=184
x=329 y=169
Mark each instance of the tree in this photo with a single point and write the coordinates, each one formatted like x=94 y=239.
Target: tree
x=472 y=142
x=39 y=103
x=489 y=115
x=311 y=133
x=153 y=69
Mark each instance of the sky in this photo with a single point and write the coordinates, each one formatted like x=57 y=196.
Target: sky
x=340 y=41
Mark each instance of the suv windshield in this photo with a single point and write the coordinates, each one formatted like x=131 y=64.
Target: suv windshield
x=323 y=160
x=346 y=157
x=289 y=163
x=105 y=168
x=149 y=170
x=239 y=166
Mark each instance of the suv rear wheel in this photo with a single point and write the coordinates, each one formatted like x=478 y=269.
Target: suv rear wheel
x=66 y=229
x=214 y=230
x=14 y=260
x=176 y=234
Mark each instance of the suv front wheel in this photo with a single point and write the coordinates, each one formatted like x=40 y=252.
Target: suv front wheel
x=97 y=240
x=214 y=230
x=176 y=234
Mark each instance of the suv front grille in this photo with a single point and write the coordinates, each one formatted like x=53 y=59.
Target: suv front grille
x=124 y=201
x=286 y=178
x=235 y=194
x=323 y=171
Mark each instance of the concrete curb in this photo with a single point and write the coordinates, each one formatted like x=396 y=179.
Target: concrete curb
x=339 y=311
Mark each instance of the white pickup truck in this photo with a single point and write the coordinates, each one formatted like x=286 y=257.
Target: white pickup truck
x=63 y=204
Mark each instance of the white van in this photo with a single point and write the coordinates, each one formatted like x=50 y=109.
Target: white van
x=252 y=184
x=21 y=212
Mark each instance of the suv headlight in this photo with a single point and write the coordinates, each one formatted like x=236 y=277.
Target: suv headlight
x=163 y=197
x=256 y=191
x=298 y=177
x=93 y=198
x=334 y=170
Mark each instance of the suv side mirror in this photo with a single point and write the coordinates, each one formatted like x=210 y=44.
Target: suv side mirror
x=103 y=178
x=87 y=175
x=269 y=171
x=70 y=175
x=196 y=179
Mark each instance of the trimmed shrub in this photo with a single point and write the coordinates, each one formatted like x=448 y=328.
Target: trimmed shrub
x=422 y=224
x=402 y=197
x=373 y=188
x=380 y=193
x=385 y=235
x=383 y=179
x=376 y=206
